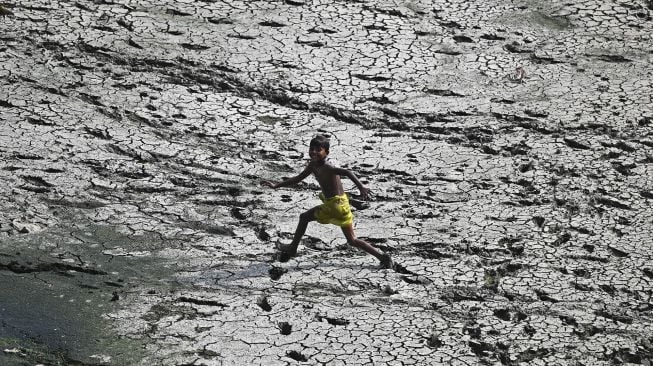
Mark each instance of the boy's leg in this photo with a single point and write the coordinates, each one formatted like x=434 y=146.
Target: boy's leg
x=290 y=250
x=348 y=230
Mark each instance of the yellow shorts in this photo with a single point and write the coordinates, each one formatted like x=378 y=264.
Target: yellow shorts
x=334 y=210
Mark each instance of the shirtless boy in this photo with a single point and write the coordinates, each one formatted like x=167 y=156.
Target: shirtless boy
x=335 y=207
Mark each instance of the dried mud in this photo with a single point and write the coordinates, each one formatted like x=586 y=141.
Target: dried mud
x=508 y=144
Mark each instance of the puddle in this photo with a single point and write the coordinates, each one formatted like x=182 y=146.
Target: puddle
x=56 y=323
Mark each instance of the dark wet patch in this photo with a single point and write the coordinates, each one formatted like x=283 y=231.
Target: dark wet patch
x=391 y=12
x=463 y=39
x=311 y=43
x=457 y=294
x=492 y=37
x=516 y=47
x=273 y=24
x=613 y=58
x=403 y=270
x=297 y=356
x=615 y=315
x=370 y=77
x=612 y=202
x=443 y=93
x=61 y=268
x=217 y=20
x=194 y=47
x=503 y=314
x=533 y=354
x=414 y=280
x=648 y=272
x=203 y=302
x=481 y=349
x=573 y=143
x=332 y=321
x=562 y=239
x=542 y=295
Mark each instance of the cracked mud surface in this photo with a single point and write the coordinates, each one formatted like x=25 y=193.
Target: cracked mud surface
x=509 y=146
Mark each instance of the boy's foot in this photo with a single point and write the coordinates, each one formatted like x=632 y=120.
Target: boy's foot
x=285 y=252
x=386 y=261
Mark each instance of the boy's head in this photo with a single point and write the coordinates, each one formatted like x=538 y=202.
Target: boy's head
x=320 y=141
x=318 y=149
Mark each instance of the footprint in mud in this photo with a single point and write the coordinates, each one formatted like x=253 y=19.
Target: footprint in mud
x=433 y=341
x=403 y=270
x=283 y=254
x=263 y=303
x=297 y=356
x=282 y=257
x=285 y=328
x=618 y=252
x=414 y=280
x=332 y=321
x=263 y=234
x=276 y=272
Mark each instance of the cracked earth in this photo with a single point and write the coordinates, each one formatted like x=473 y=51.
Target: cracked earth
x=508 y=144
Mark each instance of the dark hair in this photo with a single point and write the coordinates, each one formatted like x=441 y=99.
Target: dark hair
x=320 y=141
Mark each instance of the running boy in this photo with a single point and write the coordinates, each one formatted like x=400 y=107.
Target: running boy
x=335 y=207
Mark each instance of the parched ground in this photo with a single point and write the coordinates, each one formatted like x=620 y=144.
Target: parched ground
x=508 y=144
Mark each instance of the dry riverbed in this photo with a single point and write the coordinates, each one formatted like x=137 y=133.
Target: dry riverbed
x=508 y=144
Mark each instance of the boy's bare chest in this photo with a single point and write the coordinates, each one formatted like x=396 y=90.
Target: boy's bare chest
x=328 y=180
x=322 y=174
x=319 y=173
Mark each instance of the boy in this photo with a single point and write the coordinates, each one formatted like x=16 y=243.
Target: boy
x=335 y=207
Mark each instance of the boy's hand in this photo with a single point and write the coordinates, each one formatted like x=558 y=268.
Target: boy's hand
x=270 y=184
x=364 y=193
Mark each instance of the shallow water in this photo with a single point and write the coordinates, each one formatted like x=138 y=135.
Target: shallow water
x=508 y=145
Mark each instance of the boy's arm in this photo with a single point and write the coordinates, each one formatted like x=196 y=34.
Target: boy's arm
x=290 y=181
x=349 y=174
